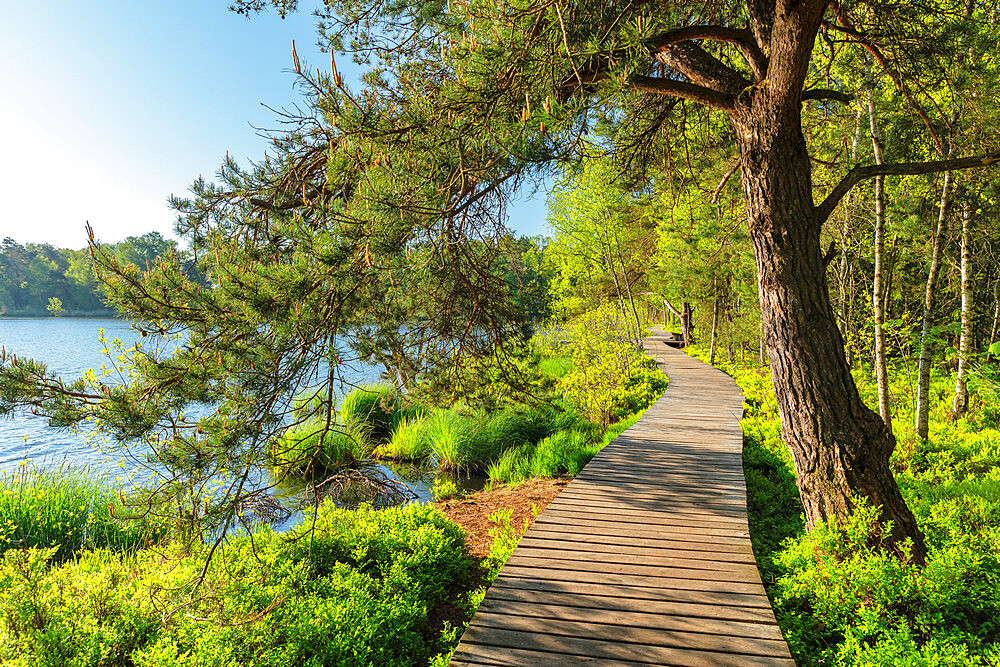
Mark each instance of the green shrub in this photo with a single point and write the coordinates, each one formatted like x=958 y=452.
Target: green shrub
x=445 y=488
x=840 y=593
x=311 y=448
x=366 y=587
x=69 y=509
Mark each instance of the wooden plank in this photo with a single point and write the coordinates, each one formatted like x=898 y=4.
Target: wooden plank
x=617 y=642
x=653 y=560
x=589 y=535
x=635 y=619
x=607 y=495
x=721 y=516
x=640 y=595
x=656 y=531
x=747 y=574
x=610 y=545
x=761 y=615
x=664 y=581
x=658 y=522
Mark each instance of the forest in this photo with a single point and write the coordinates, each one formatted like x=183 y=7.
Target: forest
x=806 y=192
x=39 y=280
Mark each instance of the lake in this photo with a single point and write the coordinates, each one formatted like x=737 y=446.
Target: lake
x=69 y=347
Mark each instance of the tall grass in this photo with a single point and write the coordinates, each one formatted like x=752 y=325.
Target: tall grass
x=562 y=453
x=555 y=367
x=377 y=409
x=448 y=435
x=311 y=448
x=70 y=509
x=409 y=441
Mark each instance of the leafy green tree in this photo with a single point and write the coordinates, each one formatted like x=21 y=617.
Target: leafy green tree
x=55 y=306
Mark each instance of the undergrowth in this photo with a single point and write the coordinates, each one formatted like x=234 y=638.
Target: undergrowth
x=839 y=593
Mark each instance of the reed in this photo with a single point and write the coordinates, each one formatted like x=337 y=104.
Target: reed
x=70 y=508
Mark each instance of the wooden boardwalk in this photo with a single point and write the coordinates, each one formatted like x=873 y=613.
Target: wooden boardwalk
x=644 y=558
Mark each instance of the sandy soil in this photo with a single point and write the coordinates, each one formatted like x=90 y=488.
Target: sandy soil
x=472 y=512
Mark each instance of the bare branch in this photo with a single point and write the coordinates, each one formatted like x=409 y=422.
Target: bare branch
x=826 y=94
x=858 y=174
x=725 y=179
x=742 y=39
x=685 y=90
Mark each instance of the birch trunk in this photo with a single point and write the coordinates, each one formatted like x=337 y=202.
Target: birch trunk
x=878 y=287
x=920 y=423
x=961 y=402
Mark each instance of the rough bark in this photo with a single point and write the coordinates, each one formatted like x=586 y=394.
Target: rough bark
x=840 y=447
x=920 y=419
x=687 y=324
x=961 y=402
x=878 y=286
x=715 y=328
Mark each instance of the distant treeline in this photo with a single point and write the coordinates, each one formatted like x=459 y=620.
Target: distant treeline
x=40 y=279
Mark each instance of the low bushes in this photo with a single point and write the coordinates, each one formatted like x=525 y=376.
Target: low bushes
x=365 y=587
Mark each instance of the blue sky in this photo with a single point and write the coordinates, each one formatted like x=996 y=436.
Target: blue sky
x=107 y=108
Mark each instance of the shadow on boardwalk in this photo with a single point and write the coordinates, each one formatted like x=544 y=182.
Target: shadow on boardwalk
x=645 y=557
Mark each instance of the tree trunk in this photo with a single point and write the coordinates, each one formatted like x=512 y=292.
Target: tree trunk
x=614 y=276
x=878 y=287
x=840 y=447
x=628 y=290
x=715 y=328
x=687 y=325
x=961 y=402
x=996 y=311
x=920 y=423
x=762 y=347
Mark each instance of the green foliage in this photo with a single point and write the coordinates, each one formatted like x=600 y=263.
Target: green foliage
x=55 y=306
x=445 y=488
x=554 y=367
x=846 y=598
x=611 y=377
x=312 y=447
x=562 y=453
x=364 y=588
x=409 y=441
x=505 y=538
x=376 y=409
x=68 y=510
x=36 y=279
x=448 y=432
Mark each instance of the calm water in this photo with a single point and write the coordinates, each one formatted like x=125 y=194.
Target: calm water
x=69 y=347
